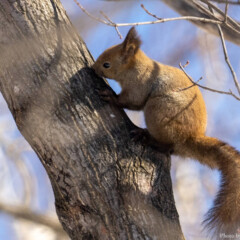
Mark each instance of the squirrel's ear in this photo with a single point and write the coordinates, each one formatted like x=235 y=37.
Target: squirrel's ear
x=131 y=43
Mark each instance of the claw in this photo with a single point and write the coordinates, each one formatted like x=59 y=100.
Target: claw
x=107 y=95
x=140 y=134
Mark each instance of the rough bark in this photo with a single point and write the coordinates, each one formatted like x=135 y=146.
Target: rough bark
x=106 y=186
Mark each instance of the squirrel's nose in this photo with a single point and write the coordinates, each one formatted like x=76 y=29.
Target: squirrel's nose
x=93 y=66
x=96 y=70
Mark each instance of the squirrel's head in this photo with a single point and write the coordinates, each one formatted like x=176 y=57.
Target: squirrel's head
x=118 y=58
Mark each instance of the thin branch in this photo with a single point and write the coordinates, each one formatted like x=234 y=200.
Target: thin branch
x=225 y=50
x=224 y=1
x=207 y=88
x=90 y=15
x=118 y=32
x=226 y=11
x=227 y=59
x=192 y=18
x=27 y=214
x=161 y=20
x=205 y=20
x=151 y=14
x=214 y=20
x=219 y=11
x=194 y=84
x=211 y=14
x=27 y=178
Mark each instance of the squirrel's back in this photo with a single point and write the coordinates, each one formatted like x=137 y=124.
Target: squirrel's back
x=175 y=110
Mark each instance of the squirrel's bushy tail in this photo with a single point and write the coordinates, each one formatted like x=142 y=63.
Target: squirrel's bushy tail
x=223 y=219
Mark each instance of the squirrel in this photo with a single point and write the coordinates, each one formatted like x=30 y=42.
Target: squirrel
x=175 y=115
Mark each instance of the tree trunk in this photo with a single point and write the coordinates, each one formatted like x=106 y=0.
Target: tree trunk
x=106 y=186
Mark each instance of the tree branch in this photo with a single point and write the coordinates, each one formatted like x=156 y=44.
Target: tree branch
x=160 y=20
x=227 y=59
x=194 y=12
x=225 y=49
x=227 y=1
x=27 y=214
x=189 y=7
x=207 y=88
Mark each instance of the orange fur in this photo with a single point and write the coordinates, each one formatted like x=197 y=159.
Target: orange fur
x=175 y=114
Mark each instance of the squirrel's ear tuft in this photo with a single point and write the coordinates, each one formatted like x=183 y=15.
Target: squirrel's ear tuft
x=132 y=42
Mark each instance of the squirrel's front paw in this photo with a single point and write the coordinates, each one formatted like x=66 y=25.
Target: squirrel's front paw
x=107 y=95
x=140 y=134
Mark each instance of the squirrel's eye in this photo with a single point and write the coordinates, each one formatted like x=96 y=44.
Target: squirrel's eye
x=106 y=65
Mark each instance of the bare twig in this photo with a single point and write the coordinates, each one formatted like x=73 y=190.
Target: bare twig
x=186 y=64
x=27 y=214
x=225 y=50
x=194 y=84
x=27 y=178
x=207 y=88
x=210 y=13
x=211 y=6
x=226 y=11
x=90 y=15
x=161 y=20
x=219 y=11
x=230 y=24
x=118 y=32
x=153 y=15
x=227 y=59
x=224 y=1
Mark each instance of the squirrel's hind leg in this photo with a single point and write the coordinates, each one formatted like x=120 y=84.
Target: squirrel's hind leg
x=143 y=135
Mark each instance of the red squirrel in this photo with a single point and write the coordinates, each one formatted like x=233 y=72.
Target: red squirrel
x=175 y=115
